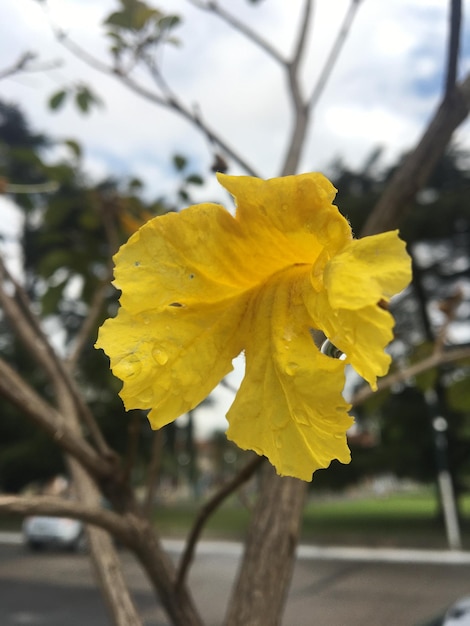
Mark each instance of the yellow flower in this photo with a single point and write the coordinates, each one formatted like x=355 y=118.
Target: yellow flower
x=201 y=286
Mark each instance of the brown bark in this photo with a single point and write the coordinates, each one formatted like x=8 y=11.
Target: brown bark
x=261 y=590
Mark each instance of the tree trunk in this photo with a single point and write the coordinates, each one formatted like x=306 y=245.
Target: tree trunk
x=266 y=570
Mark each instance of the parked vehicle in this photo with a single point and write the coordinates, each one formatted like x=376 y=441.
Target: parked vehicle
x=458 y=614
x=61 y=532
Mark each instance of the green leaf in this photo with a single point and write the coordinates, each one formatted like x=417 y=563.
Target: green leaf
x=57 y=99
x=180 y=162
x=168 y=22
x=74 y=147
x=84 y=98
x=194 y=179
x=121 y=19
x=135 y=184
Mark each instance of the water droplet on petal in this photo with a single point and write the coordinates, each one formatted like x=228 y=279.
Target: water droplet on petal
x=329 y=349
x=292 y=368
x=128 y=368
x=160 y=356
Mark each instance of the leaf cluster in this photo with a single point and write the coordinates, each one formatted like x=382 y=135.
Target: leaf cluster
x=136 y=29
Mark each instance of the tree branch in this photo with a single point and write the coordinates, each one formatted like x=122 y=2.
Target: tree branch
x=172 y=104
x=207 y=510
x=18 y=310
x=263 y=580
x=454 y=46
x=59 y=507
x=301 y=39
x=23 y=64
x=241 y=27
x=416 y=168
x=301 y=112
x=17 y=391
x=153 y=471
x=434 y=360
x=334 y=53
x=88 y=325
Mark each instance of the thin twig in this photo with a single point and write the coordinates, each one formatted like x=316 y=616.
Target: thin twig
x=301 y=111
x=434 y=360
x=133 y=433
x=334 y=53
x=455 y=23
x=206 y=511
x=19 y=311
x=23 y=64
x=301 y=39
x=153 y=471
x=449 y=307
x=22 y=395
x=47 y=187
x=87 y=326
x=172 y=104
x=241 y=27
x=60 y=507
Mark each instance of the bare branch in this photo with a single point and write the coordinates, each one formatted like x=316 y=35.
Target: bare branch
x=301 y=112
x=47 y=187
x=27 y=326
x=208 y=509
x=241 y=27
x=133 y=432
x=172 y=104
x=23 y=64
x=88 y=325
x=18 y=310
x=60 y=507
x=434 y=360
x=334 y=53
x=17 y=391
x=454 y=46
x=153 y=471
x=416 y=168
x=302 y=34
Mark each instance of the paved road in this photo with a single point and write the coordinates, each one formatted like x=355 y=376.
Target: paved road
x=57 y=589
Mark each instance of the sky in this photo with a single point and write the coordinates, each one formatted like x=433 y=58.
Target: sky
x=384 y=88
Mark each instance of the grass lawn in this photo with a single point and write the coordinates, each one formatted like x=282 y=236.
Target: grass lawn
x=407 y=520
x=401 y=520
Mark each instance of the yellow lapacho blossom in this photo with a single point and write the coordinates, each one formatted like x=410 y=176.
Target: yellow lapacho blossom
x=201 y=286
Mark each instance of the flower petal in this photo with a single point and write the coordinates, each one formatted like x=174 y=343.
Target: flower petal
x=179 y=258
x=362 y=334
x=170 y=360
x=296 y=210
x=290 y=405
x=367 y=270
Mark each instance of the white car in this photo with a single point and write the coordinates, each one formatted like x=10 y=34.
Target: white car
x=458 y=614
x=44 y=531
